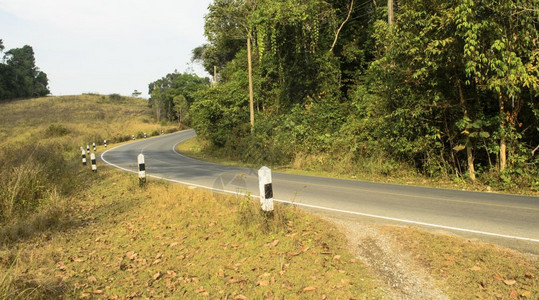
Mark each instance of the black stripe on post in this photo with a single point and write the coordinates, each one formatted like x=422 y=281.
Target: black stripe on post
x=268 y=191
x=142 y=167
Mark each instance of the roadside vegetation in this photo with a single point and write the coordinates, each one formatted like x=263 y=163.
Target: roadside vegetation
x=171 y=241
x=446 y=92
x=40 y=142
x=67 y=232
x=470 y=269
x=19 y=75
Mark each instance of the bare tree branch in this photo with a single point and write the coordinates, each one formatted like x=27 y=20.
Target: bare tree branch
x=342 y=25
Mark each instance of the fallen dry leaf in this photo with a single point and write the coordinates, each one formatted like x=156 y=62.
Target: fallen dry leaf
x=499 y=277
x=509 y=282
x=475 y=268
x=336 y=257
x=450 y=259
x=263 y=283
x=529 y=275
x=309 y=289
x=513 y=294
x=131 y=255
x=526 y=294
x=156 y=275
x=92 y=279
x=240 y=297
x=97 y=292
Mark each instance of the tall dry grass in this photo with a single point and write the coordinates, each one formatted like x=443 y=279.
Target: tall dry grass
x=39 y=146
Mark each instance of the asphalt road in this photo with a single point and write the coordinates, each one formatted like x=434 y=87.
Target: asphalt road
x=508 y=220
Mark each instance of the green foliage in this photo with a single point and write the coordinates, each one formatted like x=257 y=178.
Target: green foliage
x=19 y=76
x=56 y=130
x=115 y=97
x=442 y=92
x=172 y=95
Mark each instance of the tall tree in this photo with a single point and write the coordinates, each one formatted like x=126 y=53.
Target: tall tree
x=164 y=91
x=20 y=77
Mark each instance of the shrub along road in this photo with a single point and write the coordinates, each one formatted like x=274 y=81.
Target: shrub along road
x=508 y=220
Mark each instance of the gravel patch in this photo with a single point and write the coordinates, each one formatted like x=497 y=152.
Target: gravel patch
x=403 y=277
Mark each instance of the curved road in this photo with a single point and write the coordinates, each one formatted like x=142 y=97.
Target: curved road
x=508 y=220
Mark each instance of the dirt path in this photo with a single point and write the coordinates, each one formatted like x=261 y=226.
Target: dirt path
x=403 y=277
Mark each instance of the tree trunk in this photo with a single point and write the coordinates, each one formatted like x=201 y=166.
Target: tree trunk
x=214 y=76
x=390 y=12
x=469 y=152
x=503 y=153
x=250 y=70
x=503 y=144
x=342 y=25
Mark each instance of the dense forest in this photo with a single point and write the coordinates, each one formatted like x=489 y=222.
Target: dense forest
x=443 y=88
x=19 y=75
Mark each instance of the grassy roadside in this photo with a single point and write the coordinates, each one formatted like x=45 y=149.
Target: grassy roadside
x=194 y=148
x=168 y=240
x=105 y=237
x=39 y=148
x=462 y=269
x=470 y=269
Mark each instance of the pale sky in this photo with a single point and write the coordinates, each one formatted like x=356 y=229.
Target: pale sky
x=105 y=46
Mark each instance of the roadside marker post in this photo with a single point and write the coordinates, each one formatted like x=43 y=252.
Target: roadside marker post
x=83 y=156
x=266 y=189
x=145 y=135
x=162 y=131
x=94 y=164
x=94 y=147
x=88 y=148
x=141 y=169
x=105 y=143
x=133 y=137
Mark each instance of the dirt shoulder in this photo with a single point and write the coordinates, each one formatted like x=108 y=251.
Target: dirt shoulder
x=416 y=264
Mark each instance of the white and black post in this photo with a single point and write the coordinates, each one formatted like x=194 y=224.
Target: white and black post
x=83 y=156
x=266 y=189
x=94 y=147
x=94 y=164
x=105 y=143
x=145 y=135
x=133 y=137
x=162 y=131
x=141 y=169
x=88 y=148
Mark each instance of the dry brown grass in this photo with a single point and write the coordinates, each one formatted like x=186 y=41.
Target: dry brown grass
x=167 y=240
x=40 y=140
x=467 y=269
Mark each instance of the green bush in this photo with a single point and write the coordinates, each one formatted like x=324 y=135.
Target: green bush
x=56 y=130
